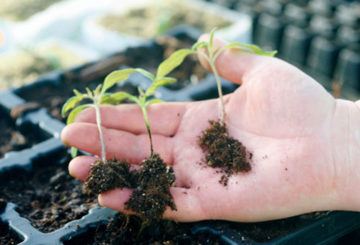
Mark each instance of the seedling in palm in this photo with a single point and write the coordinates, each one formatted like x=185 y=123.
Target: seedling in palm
x=145 y=98
x=154 y=178
x=98 y=97
x=222 y=151
x=212 y=52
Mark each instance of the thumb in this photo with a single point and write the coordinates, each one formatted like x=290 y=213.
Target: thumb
x=234 y=64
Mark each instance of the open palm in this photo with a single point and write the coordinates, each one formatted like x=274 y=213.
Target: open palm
x=283 y=117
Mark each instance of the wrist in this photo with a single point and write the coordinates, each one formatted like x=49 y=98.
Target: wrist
x=346 y=152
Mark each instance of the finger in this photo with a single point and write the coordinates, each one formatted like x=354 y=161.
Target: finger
x=234 y=64
x=118 y=144
x=164 y=118
x=187 y=204
x=79 y=167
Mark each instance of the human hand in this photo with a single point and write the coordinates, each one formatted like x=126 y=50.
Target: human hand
x=297 y=133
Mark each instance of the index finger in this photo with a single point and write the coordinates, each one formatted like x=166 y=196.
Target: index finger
x=234 y=64
x=164 y=118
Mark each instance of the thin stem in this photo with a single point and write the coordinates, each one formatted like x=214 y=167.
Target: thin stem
x=211 y=61
x=98 y=122
x=221 y=99
x=143 y=108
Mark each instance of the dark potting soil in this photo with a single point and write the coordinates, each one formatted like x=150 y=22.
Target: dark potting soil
x=223 y=151
x=52 y=97
x=130 y=230
x=11 y=139
x=7 y=236
x=106 y=176
x=152 y=192
x=47 y=195
x=151 y=184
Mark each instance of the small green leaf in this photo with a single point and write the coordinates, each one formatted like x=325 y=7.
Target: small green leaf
x=89 y=92
x=153 y=101
x=106 y=99
x=76 y=92
x=97 y=90
x=158 y=83
x=74 y=152
x=71 y=103
x=120 y=96
x=145 y=73
x=165 y=81
x=115 y=77
x=140 y=91
x=197 y=45
x=173 y=61
x=113 y=99
x=74 y=112
x=211 y=40
x=250 y=47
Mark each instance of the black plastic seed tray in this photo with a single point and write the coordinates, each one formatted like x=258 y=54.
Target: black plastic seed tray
x=48 y=153
x=307 y=33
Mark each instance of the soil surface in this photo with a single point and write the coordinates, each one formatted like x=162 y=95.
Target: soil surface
x=13 y=140
x=22 y=68
x=160 y=18
x=151 y=184
x=53 y=96
x=48 y=196
x=223 y=151
x=17 y=10
x=7 y=236
x=129 y=230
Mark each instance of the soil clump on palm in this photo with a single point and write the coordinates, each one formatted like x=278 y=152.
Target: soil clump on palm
x=109 y=175
x=223 y=151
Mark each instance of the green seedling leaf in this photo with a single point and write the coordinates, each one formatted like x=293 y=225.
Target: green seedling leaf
x=71 y=103
x=89 y=92
x=74 y=152
x=140 y=91
x=97 y=90
x=153 y=101
x=211 y=40
x=74 y=112
x=76 y=92
x=106 y=99
x=174 y=60
x=113 y=99
x=115 y=77
x=161 y=82
x=197 y=45
x=250 y=47
x=124 y=95
x=145 y=73
x=120 y=96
